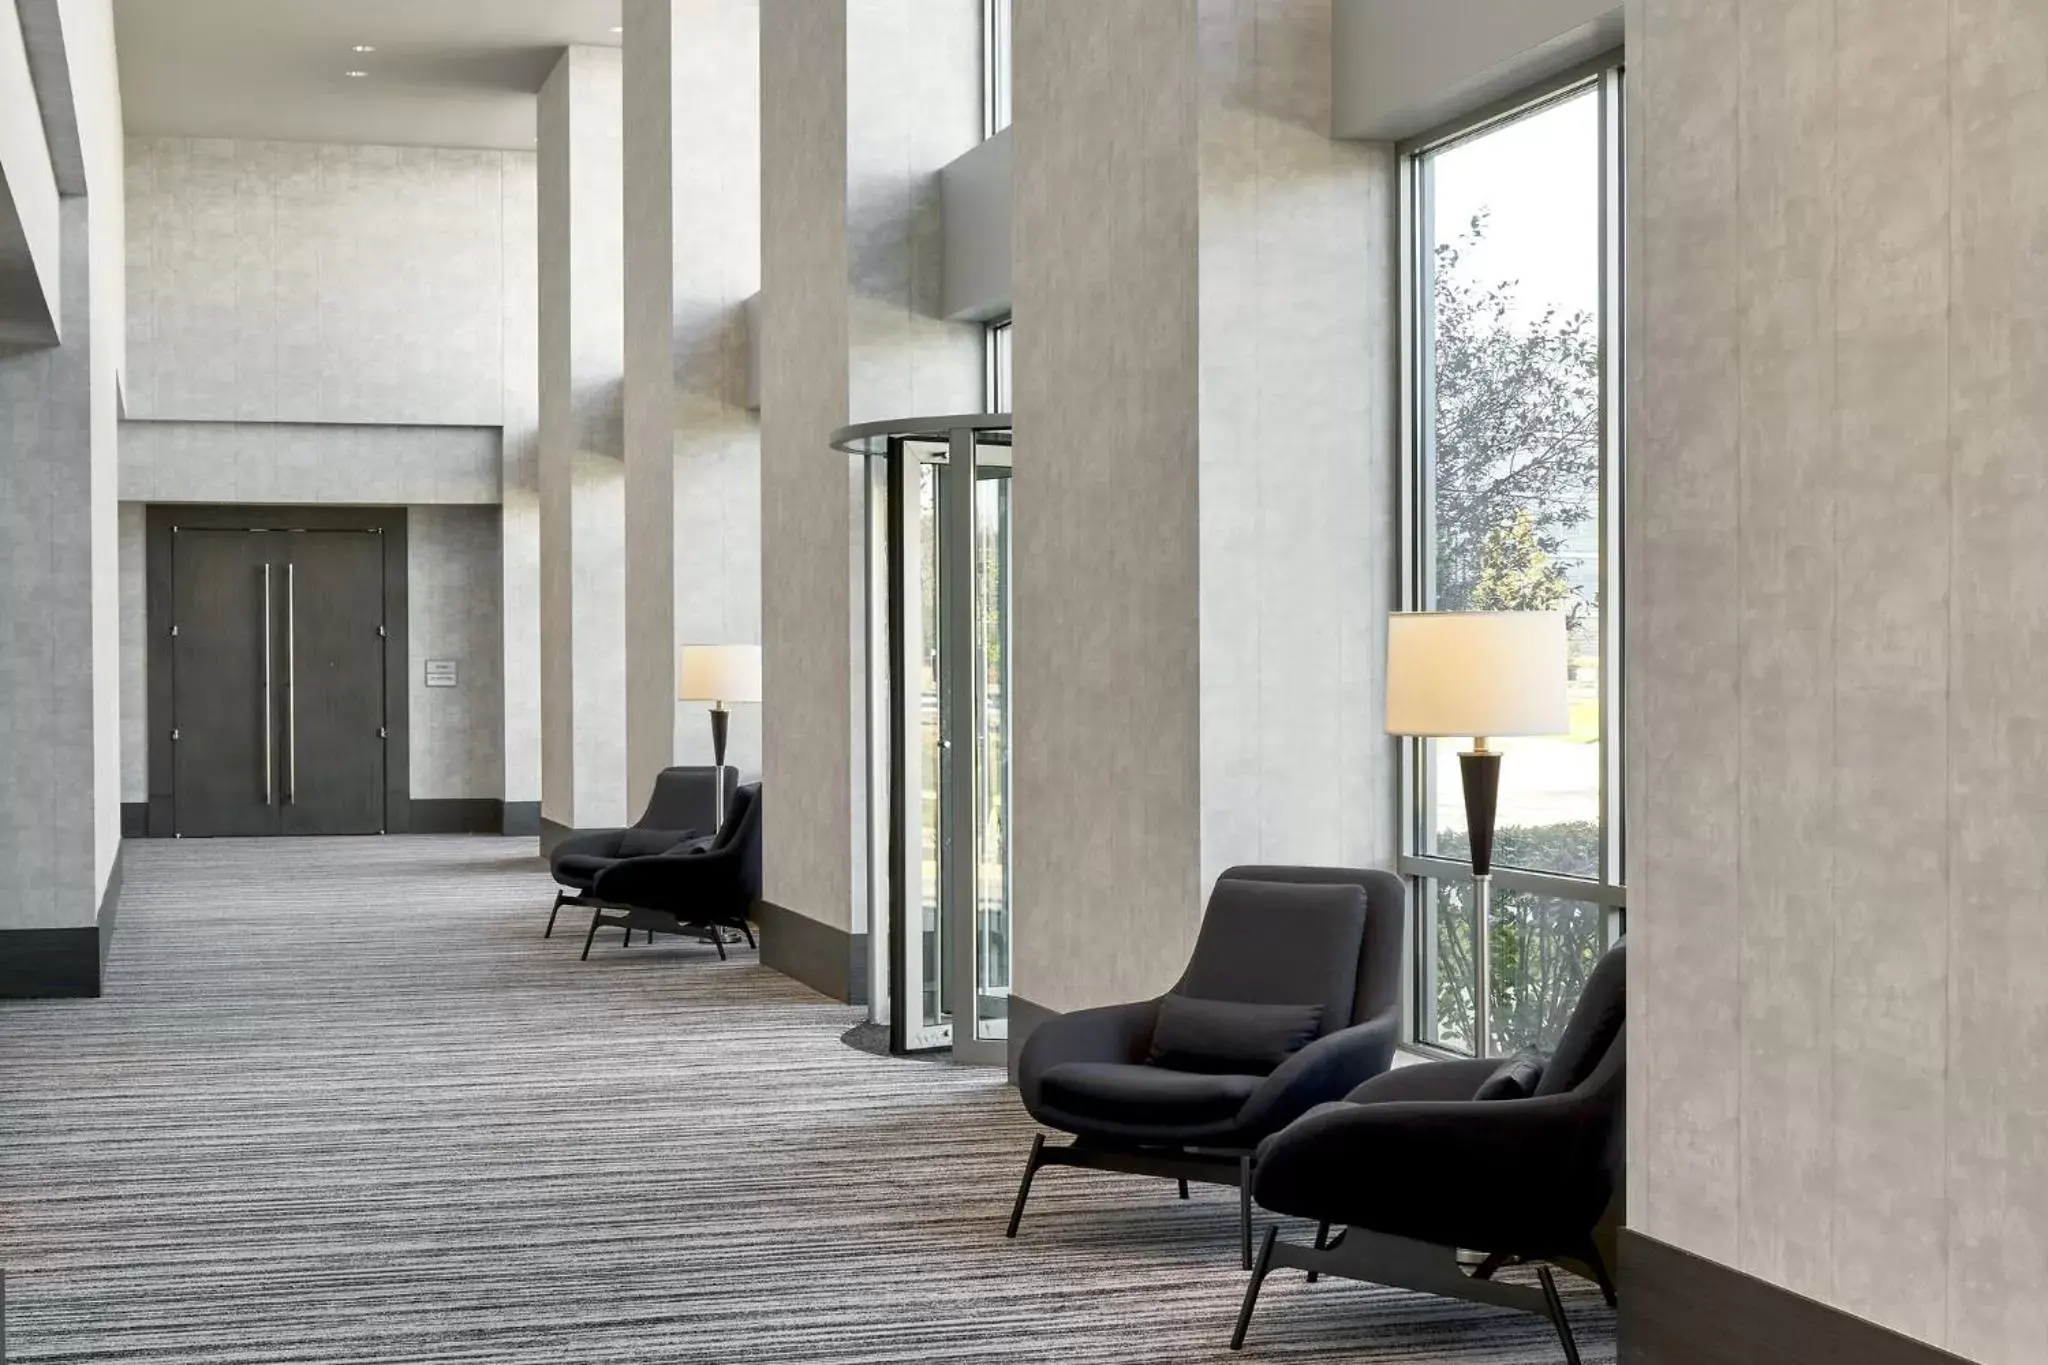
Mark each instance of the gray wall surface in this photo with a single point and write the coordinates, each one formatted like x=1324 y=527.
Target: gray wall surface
x=311 y=462
x=1405 y=66
x=975 y=190
x=453 y=612
x=300 y=282
x=850 y=330
x=1838 y=733
x=29 y=301
x=1205 y=477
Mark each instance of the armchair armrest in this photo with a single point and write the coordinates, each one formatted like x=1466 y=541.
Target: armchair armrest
x=1461 y=1173
x=1459 y=1079
x=1327 y=1069
x=594 y=843
x=679 y=882
x=1107 y=1033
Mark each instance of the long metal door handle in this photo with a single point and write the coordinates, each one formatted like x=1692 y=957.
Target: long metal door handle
x=269 y=714
x=291 y=685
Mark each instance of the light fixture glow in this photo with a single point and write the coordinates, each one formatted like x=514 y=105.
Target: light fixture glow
x=364 y=47
x=356 y=75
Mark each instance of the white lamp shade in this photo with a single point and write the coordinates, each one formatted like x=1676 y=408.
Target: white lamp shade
x=719 y=673
x=1478 y=673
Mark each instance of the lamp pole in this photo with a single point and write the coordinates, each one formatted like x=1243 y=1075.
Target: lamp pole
x=719 y=717
x=1479 y=772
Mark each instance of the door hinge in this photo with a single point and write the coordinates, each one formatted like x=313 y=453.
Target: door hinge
x=174 y=631
x=174 y=734
x=382 y=634
x=383 y=733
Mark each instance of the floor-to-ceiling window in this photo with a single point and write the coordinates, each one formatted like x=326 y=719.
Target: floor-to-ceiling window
x=1514 y=504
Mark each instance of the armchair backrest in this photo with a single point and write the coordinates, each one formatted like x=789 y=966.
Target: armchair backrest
x=1272 y=943
x=1378 y=979
x=742 y=835
x=1594 y=1030
x=683 y=798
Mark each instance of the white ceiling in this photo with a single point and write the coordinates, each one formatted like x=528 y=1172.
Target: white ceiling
x=445 y=73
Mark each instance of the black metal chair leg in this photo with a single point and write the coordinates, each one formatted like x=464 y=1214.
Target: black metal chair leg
x=1244 y=1208
x=1024 y=1189
x=1598 y=1265
x=1557 y=1317
x=1183 y=1187
x=748 y=930
x=591 y=937
x=1251 y=1291
x=1485 y=1269
x=560 y=896
x=718 y=942
x=1322 y=1241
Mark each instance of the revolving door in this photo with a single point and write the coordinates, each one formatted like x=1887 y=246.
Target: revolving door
x=938 y=699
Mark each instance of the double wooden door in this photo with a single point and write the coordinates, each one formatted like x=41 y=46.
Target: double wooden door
x=278 y=707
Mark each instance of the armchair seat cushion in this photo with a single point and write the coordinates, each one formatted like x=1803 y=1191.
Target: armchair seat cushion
x=1141 y=1096
x=639 y=843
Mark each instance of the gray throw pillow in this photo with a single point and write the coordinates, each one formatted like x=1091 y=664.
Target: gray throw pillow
x=1229 y=1038
x=1514 y=1079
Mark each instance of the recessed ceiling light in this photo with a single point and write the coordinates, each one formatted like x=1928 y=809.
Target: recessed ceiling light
x=355 y=75
x=364 y=47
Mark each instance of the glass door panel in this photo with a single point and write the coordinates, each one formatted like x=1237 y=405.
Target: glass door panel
x=992 y=749
x=921 y=1016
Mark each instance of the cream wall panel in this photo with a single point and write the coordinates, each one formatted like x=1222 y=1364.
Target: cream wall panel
x=693 y=225
x=1205 y=487
x=1683 y=602
x=582 y=483
x=1848 y=199
x=850 y=330
x=1107 y=776
x=1786 y=740
x=807 y=544
x=1297 y=477
x=1997 y=1090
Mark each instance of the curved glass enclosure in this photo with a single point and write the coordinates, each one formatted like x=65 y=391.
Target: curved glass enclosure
x=938 y=629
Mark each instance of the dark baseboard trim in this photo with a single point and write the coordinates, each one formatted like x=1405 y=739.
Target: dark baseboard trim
x=520 y=819
x=830 y=961
x=551 y=833
x=1682 y=1309
x=135 y=819
x=1024 y=1017
x=457 y=815
x=66 y=963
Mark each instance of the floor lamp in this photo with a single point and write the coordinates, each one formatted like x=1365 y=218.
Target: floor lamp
x=1485 y=674
x=719 y=674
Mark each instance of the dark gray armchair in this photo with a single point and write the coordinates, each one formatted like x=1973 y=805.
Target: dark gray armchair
x=1516 y=1159
x=698 y=889
x=1292 y=999
x=680 y=809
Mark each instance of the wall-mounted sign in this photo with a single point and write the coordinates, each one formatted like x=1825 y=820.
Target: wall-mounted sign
x=440 y=672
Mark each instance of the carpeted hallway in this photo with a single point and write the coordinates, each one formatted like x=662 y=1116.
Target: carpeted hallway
x=344 y=1104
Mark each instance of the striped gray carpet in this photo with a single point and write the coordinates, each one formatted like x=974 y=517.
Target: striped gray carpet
x=344 y=1104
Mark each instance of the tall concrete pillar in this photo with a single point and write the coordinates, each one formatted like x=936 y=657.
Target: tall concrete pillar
x=582 y=475
x=692 y=148
x=863 y=102
x=1204 y=495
